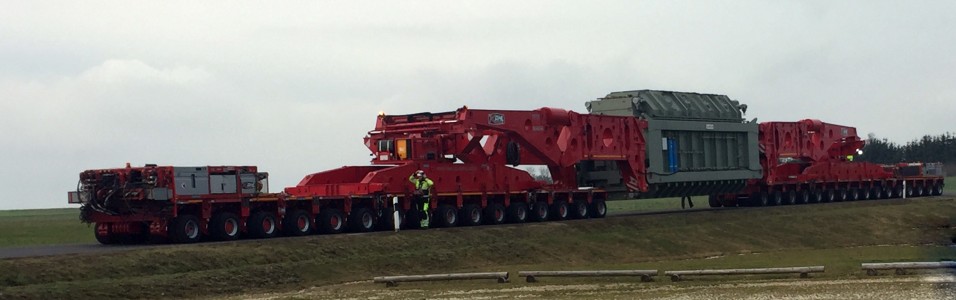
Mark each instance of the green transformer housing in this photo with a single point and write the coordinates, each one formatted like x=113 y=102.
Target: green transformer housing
x=697 y=144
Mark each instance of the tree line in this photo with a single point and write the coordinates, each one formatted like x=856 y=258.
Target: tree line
x=929 y=148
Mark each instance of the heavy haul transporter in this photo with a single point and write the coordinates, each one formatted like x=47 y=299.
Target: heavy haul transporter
x=640 y=143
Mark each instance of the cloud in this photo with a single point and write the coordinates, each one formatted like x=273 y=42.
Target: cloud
x=293 y=90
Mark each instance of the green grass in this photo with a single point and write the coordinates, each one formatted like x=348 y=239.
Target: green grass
x=43 y=227
x=656 y=204
x=841 y=264
x=950 y=185
x=839 y=235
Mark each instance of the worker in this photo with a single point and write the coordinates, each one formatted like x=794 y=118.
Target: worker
x=689 y=201
x=422 y=187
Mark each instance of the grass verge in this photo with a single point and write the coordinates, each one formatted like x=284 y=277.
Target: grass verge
x=43 y=227
x=294 y=263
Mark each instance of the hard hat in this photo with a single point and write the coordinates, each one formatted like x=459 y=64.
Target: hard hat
x=420 y=173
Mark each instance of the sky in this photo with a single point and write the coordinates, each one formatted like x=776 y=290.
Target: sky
x=294 y=86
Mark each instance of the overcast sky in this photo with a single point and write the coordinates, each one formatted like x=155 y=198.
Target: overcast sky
x=293 y=87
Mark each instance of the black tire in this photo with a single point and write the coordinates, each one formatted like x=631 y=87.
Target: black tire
x=298 y=223
x=803 y=197
x=470 y=215
x=387 y=222
x=262 y=225
x=598 y=209
x=865 y=194
x=446 y=216
x=517 y=212
x=559 y=210
x=714 y=201
x=775 y=198
x=814 y=196
x=852 y=194
x=937 y=189
x=184 y=229
x=540 y=211
x=494 y=214
x=829 y=195
x=840 y=195
x=789 y=197
x=362 y=220
x=224 y=226
x=897 y=191
x=105 y=239
x=580 y=209
x=924 y=190
x=330 y=221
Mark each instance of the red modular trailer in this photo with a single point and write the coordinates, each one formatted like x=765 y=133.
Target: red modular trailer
x=810 y=161
x=467 y=152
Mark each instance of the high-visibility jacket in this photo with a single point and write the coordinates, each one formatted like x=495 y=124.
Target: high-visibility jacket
x=423 y=185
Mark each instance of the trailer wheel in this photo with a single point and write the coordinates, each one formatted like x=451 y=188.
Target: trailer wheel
x=184 y=229
x=816 y=196
x=789 y=198
x=598 y=209
x=224 y=226
x=297 y=223
x=262 y=224
x=106 y=239
x=937 y=189
x=539 y=211
x=580 y=209
x=517 y=212
x=865 y=193
x=331 y=221
x=802 y=197
x=852 y=194
x=447 y=216
x=494 y=214
x=897 y=191
x=362 y=220
x=387 y=222
x=559 y=210
x=841 y=195
x=713 y=201
x=775 y=198
x=470 y=215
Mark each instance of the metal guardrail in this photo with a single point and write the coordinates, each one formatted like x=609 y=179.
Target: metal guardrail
x=872 y=269
x=803 y=271
x=390 y=281
x=532 y=276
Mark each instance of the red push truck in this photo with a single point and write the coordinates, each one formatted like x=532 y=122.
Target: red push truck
x=183 y=204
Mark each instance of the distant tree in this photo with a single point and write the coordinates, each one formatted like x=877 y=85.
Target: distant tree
x=938 y=148
x=541 y=174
